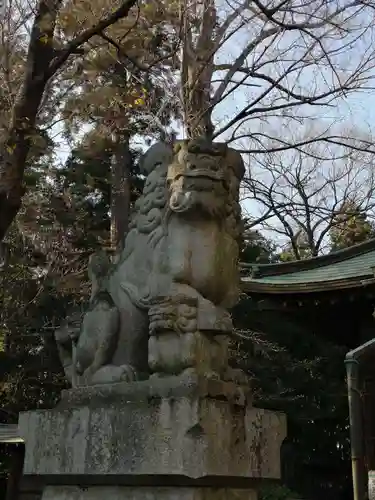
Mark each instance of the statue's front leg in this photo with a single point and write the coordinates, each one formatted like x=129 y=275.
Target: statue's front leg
x=188 y=334
x=97 y=344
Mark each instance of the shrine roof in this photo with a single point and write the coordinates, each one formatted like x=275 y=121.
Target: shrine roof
x=9 y=433
x=349 y=268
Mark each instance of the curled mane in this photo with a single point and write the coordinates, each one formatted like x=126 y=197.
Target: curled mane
x=150 y=207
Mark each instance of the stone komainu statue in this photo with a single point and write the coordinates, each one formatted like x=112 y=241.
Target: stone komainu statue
x=161 y=309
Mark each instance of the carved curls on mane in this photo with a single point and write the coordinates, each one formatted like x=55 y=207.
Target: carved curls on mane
x=150 y=206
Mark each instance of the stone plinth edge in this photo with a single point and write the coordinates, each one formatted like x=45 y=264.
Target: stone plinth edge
x=190 y=386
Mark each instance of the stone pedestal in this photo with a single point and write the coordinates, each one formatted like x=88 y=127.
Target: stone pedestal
x=158 y=439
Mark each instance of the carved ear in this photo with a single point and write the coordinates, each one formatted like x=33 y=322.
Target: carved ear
x=158 y=154
x=99 y=264
x=234 y=159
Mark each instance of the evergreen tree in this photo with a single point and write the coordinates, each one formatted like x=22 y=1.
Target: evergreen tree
x=256 y=247
x=298 y=248
x=350 y=226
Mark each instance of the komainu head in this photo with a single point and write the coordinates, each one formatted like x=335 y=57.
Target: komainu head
x=204 y=177
x=196 y=180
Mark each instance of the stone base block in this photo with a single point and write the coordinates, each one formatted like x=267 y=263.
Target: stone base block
x=194 y=437
x=145 y=493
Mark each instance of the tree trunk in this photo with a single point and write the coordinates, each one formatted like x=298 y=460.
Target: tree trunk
x=120 y=194
x=197 y=69
x=16 y=146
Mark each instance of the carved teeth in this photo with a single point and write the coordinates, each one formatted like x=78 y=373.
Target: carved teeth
x=204 y=174
x=180 y=202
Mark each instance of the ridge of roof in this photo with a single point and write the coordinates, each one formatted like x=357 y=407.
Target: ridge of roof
x=259 y=286
x=264 y=270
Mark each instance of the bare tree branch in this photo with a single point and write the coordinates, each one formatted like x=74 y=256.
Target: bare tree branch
x=309 y=197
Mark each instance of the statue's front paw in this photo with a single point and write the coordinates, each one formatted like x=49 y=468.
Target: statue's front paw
x=177 y=313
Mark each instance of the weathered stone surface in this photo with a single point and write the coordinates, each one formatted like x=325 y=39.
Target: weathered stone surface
x=176 y=277
x=155 y=493
x=192 y=438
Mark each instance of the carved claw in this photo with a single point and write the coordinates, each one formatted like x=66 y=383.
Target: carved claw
x=129 y=373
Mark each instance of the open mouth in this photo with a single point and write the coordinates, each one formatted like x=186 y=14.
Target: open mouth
x=202 y=181
x=202 y=191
